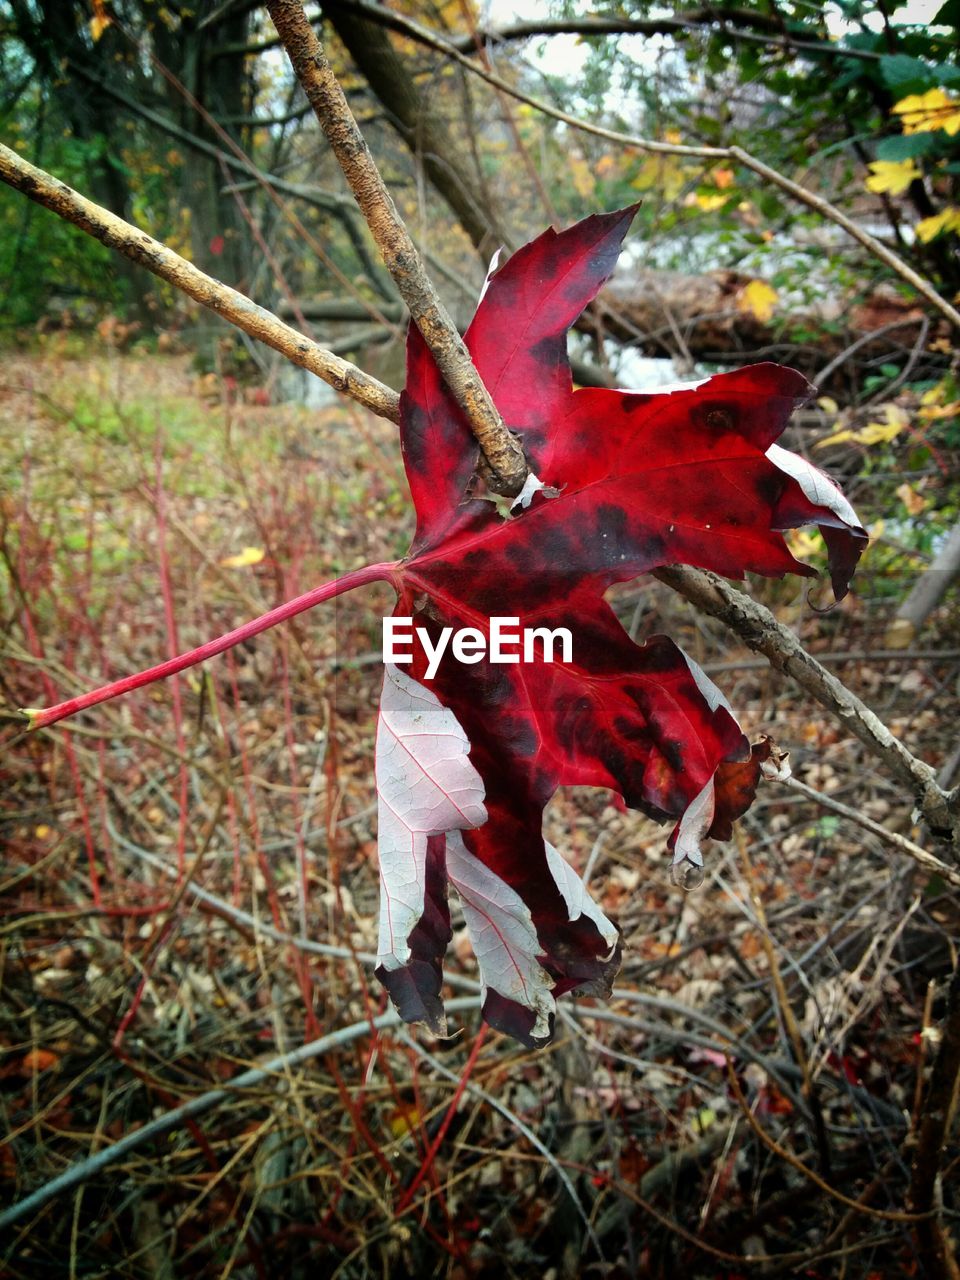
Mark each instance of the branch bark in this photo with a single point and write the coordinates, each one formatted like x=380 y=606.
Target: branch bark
x=141 y=248
x=418 y=124
x=761 y=631
x=502 y=452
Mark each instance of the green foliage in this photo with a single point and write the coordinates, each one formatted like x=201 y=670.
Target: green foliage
x=812 y=92
x=44 y=262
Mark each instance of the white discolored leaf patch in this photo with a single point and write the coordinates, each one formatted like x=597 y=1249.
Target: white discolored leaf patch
x=426 y=785
x=693 y=827
x=816 y=484
x=504 y=936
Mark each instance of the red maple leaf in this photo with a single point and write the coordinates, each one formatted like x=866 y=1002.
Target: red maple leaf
x=468 y=757
x=635 y=482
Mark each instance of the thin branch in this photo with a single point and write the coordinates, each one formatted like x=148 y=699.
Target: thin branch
x=84 y=1170
x=858 y=1206
x=232 y=155
x=730 y=22
x=115 y=233
x=523 y=1129
x=784 y=1008
x=928 y=861
x=43 y=718
x=761 y=631
x=434 y=41
x=938 y=1110
x=399 y=252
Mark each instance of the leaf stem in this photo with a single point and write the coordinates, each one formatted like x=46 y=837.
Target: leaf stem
x=386 y=572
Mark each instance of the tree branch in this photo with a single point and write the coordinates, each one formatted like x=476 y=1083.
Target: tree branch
x=732 y=23
x=761 y=631
x=399 y=252
x=254 y=320
x=921 y=857
x=340 y=206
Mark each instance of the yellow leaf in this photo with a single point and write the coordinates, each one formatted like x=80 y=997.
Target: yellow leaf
x=248 y=556
x=947 y=220
x=98 y=25
x=873 y=432
x=927 y=112
x=665 y=174
x=838 y=437
x=758 y=299
x=405 y=1119
x=913 y=501
x=582 y=177
x=828 y=404
x=708 y=203
x=877 y=433
x=42 y=832
x=100 y=20
x=704 y=1119
x=892 y=176
x=932 y=412
x=802 y=544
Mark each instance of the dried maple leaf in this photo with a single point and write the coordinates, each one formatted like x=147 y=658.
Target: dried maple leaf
x=466 y=760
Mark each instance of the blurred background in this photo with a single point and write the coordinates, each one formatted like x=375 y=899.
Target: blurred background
x=188 y=876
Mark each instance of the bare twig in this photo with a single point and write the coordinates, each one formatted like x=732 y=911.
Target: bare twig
x=858 y=1206
x=84 y=1170
x=761 y=631
x=399 y=252
x=141 y=248
x=784 y=1006
x=524 y=1130
x=938 y=1110
x=928 y=861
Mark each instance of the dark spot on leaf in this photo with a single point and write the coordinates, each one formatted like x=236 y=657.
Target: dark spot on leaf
x=720 y=419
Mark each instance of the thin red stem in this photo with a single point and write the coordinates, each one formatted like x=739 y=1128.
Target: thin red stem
x=40 y=719
x=427 y=1164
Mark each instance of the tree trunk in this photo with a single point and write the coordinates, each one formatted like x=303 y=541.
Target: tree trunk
x=218 y=83
x=927 y=592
